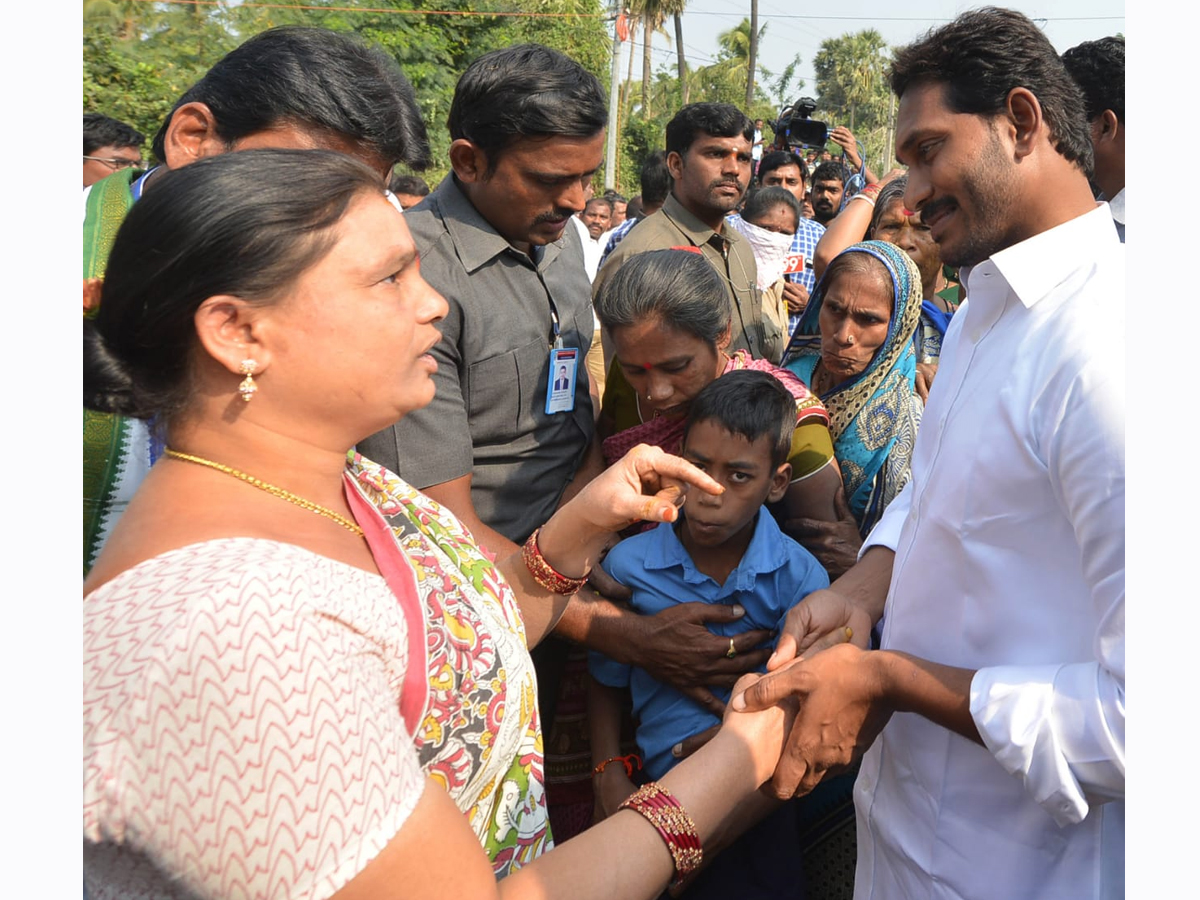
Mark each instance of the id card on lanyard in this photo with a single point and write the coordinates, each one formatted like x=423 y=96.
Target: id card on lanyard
x=560 y=380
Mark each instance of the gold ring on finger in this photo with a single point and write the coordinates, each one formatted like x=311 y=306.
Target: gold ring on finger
x=732 y=651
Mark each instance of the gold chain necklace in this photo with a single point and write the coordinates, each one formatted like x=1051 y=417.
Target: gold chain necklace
x=269 y=488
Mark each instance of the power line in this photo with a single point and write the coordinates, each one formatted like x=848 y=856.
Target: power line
x=742 y=15
x=385 y=10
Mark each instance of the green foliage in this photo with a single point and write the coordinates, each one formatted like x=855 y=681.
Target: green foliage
x=140 y=57
x=852 y=89
x=639 y=138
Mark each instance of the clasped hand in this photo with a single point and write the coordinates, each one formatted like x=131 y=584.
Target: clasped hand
x=837 y=685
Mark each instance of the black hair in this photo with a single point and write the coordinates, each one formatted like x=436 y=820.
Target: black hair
x=830 y=170
x=1098 y=67
x=316 y=79
x=101 y=131
x=778 y=159
x=713 y=119
x=888 y=194
x=678 y=287
x=614 y=197
x=981 y=57
x=413 y=185
x=524 y=91
x=656 y=179
x=763 y=200
x=246 y=224
x=751 y=404
x=607 y=202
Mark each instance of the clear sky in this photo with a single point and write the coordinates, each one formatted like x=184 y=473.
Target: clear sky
x=800 y=28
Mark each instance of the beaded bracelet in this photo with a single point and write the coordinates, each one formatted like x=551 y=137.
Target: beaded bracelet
x=631 y=762
x=660 y=808
x=544 y=573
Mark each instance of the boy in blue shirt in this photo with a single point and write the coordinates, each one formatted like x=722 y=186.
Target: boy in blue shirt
x=724 y=549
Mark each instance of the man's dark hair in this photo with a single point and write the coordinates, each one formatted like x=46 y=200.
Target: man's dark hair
x=830 y=170
x=778 y=159
x=614 y=197
x=101 y=131
x=763 y=200
x=602 y=200
x=713 y=119
x=751 y=404
x=317 y=79
x=656 y=179
x=981 y=56
x=413 y=185
x=524 y=91
x=1098 y=67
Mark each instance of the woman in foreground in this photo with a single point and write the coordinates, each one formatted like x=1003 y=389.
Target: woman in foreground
x=301 y=677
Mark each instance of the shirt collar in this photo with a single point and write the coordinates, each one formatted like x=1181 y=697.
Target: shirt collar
x=695 y=230
x=1033 y=267
x=1117 y=206
x=475 y=240
x=765 y=553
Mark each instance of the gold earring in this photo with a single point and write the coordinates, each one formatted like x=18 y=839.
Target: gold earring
x=248 y=387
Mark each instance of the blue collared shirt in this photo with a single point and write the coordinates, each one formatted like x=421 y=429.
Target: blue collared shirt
x=774 y=575
x=804 y=243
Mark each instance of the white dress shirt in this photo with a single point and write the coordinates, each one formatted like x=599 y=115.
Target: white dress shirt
x=1010 y=560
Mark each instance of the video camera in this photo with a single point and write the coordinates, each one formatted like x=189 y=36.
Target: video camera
x=797 y=127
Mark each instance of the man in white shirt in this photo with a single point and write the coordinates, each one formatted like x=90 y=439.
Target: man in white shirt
x=995 y=710
x=596 y=216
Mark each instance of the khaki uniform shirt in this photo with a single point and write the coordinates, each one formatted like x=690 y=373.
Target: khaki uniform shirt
x=488 y=416
x=727 y=252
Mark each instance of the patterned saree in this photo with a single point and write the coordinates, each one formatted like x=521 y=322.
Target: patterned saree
x=874 y=416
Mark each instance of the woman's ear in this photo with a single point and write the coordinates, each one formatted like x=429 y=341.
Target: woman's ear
x=227 y=328
x=726 y=338
x=780 y=482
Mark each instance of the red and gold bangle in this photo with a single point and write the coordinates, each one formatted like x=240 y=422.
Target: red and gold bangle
x=660 y=808
x=630 y=762
x=544 y=573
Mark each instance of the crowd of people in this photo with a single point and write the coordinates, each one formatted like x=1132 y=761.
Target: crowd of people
x=760 y=535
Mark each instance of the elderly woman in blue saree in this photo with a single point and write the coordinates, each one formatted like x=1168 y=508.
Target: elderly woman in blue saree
x=854 y=348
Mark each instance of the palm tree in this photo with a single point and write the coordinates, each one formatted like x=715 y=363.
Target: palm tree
x=753 y=53
x=652 y=14
x=675 y=8
x=734 y=55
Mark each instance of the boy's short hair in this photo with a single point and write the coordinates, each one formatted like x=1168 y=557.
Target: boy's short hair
x=751 y=404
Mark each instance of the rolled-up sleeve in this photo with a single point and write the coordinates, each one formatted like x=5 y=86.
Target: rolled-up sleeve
x=1062 y=728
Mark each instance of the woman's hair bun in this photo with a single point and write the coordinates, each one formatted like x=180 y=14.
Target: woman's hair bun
x=107 y=384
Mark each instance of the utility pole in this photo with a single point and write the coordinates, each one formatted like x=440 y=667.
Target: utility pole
x=614 y=87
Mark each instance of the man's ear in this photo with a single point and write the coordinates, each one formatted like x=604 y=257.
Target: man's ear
x=469 y=162
x=191 y=135
x=780 y=482
x=1105 y=127
x=230 y=331
x=675 y=165
x=1025 y=120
